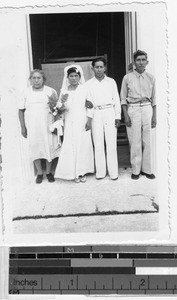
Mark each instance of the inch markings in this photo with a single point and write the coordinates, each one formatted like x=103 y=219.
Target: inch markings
x=117 y=269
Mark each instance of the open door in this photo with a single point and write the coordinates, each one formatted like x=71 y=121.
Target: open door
x=130 y=20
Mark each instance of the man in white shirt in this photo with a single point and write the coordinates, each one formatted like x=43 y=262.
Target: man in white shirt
x=106 y=115
x=139 y=107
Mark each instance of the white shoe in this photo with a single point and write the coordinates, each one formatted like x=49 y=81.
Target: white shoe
x=77 y=180
x=83 y=178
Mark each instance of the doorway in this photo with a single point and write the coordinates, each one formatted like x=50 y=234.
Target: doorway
x=61 y=36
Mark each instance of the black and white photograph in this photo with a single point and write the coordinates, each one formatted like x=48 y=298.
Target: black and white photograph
x=84 y=121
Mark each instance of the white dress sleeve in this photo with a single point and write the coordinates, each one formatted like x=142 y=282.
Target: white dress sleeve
x=22 y=100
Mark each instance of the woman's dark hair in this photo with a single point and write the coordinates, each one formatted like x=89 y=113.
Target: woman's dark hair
x=101 y=58
x=38 y=71
x=138 y=53
x=73 y=70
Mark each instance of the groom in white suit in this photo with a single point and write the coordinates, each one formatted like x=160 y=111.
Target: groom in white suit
x=106 y=115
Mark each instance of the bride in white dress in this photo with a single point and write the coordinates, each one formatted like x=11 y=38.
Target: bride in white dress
x=76 y=156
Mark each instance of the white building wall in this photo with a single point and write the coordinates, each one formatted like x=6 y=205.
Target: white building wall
x=14 y=72
x=152 y=38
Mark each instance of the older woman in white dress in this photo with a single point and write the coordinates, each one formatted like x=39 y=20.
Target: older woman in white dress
x=35 y=118
x=76 y=156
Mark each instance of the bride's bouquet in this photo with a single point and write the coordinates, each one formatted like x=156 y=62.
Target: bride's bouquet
x=57 y=111
x=59 y=108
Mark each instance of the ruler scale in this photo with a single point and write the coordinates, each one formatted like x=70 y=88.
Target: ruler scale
x=95 y=269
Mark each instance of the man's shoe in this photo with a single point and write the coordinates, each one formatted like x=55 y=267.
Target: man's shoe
x=134 y=176
x=114 y=178
x=39 y=178
x=50 y=177
x=149 y=176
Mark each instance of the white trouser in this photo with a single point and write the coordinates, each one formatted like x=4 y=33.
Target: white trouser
x=105 y=132
x=140 y=138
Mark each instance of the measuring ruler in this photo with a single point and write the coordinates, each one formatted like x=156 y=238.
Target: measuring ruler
x=101 y=270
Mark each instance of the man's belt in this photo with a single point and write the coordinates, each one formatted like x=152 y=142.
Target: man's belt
x=140 y=102
x=103 y=106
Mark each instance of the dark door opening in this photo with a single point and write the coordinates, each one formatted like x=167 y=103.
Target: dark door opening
x=57 y=36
